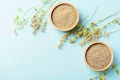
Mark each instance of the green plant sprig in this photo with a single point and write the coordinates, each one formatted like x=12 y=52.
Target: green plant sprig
x=95 y=34
x=92 y=33
x=20 y=22
x=103 y=74
x=63 y=39
x=47 y=16
x=39 y=16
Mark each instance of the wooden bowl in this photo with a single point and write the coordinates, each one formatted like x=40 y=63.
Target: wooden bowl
x=71 y=25
x=108 y=64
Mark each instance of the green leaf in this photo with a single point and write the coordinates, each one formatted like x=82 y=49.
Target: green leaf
x=85 y=31
x=117 y=71
x=45 y=1
x=21 y=23
x=102 y=78
x=20 y=9
x=16 y=19
x=114 y=66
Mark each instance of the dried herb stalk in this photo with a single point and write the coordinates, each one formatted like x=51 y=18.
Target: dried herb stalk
x=93 y=32
x=63 y=39
x=39 y=16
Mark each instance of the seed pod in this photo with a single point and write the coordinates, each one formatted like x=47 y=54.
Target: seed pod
x=93 y=24
x=97 y=31
x=117 y=22
x=72 y=40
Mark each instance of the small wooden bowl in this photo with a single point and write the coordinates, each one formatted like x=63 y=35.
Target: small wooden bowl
x=73 y=25
x=104 y=68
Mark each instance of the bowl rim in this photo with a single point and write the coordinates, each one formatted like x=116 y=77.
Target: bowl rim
x=111 y=53
x=77 y=19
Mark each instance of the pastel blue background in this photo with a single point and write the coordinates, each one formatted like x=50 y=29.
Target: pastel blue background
x=35 y=57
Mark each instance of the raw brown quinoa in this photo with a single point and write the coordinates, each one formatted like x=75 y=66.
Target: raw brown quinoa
x=98 y=56
x=64 y=16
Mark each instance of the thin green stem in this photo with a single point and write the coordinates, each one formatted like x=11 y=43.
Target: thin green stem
x=93 y=14
x=108 y=17
x=114 y=31
x=26 y=13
